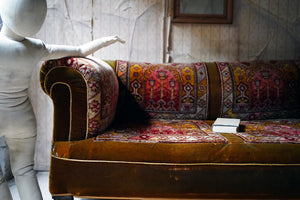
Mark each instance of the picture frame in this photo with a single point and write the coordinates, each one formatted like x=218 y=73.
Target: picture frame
x=202 y=11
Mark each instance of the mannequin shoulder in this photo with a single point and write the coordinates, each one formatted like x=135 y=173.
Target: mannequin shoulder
x=27 y=42
x=37 y=43
x=29 y=47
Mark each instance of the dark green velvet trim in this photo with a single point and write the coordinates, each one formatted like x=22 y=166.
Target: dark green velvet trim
x=214 y=91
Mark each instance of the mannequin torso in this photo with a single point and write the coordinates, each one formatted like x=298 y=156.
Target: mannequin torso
x=16 y=67
x=17 y=118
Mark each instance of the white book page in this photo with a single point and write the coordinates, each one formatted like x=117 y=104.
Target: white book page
x=227 y=122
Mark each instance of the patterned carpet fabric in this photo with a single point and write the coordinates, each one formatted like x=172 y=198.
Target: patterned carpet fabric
x=275 y=131
x=184 y=91
x=197 y=131
x=249 y=91
x=174 y=91
x=101 y=98
x=260 y=90
x=165 y=131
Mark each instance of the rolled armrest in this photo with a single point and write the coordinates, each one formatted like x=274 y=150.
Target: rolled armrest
x=84 y=92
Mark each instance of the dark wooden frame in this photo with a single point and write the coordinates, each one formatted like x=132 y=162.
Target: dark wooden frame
x=225 y=18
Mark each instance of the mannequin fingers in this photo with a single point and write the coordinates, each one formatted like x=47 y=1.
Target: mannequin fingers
x=114 y=38
x=120 y=40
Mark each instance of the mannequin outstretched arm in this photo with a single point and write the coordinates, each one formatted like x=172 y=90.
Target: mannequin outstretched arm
x=59 y=51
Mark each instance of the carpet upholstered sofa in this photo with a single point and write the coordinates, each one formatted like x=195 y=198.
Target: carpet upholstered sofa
x=143 y=130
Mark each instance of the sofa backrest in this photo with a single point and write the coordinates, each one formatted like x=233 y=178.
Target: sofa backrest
x=255 y=90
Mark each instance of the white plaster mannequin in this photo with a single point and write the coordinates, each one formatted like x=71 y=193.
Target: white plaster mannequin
x=19 y=54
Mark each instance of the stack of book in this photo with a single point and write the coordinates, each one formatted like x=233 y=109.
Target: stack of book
x=226 y=125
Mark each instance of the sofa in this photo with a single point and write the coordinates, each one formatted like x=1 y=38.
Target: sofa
x=133 y=130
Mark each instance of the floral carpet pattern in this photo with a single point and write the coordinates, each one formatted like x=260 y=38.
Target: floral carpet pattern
x=249 y=91
x=166 y=131
x=173 y=91
x=257 y=90
x=101 y=98
x=197 y=131
x=275 y=131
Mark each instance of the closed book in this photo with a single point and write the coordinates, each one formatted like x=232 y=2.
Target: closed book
x=226 y=125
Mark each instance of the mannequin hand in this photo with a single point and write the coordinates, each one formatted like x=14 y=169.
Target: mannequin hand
x=59 y=51
x=112 y=39
x=97 y=44
x=118 y=39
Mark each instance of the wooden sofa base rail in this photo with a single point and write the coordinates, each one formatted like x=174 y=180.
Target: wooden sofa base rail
x=62 y=198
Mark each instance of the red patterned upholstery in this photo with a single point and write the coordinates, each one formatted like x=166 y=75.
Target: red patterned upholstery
x=257 y=90
x=260 y=90
x=101 y=99
x=165 y=131
x=176 y=91
x=271 y=131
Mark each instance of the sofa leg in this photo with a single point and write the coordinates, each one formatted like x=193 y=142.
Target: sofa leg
x=62 y=198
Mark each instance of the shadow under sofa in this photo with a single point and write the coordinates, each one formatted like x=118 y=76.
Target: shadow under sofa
x=143 y=130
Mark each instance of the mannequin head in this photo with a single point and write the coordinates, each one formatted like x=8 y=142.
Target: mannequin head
x=23 y=17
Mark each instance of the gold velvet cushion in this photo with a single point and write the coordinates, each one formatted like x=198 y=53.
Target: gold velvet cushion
x=193 y=143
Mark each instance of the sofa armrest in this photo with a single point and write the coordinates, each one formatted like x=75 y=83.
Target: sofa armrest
x=84 y=92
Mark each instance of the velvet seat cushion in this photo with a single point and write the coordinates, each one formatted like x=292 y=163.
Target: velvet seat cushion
x=192 y=142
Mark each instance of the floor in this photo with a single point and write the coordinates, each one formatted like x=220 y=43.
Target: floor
x=43 y=178
x=44 y=185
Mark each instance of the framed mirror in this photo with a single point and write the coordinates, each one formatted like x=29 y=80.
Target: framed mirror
x=202 y=11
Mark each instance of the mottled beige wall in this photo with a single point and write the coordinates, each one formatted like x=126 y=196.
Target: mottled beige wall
x=261 y=29
x=74 y=22
x=139 y=22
